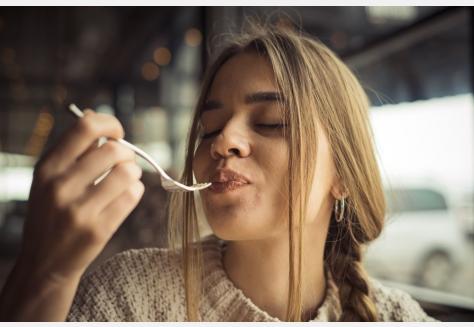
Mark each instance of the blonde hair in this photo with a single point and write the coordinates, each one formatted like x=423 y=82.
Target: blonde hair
x=322 y=93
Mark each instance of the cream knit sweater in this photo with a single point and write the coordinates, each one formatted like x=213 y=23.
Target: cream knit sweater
x=147 y=285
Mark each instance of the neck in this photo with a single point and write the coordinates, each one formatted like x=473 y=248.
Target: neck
x=260 y=268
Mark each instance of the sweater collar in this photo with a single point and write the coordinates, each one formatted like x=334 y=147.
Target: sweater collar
x=225 y=301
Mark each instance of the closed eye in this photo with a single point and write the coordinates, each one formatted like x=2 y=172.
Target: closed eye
x=271 y=126
x=211 y=134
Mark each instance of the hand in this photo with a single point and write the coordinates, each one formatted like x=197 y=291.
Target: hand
x=70 y=219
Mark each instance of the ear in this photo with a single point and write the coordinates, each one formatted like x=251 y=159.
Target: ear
x=338 y=190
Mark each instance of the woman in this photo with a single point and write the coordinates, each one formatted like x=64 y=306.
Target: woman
x=281 y=130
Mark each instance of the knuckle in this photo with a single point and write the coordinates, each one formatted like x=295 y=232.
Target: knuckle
x=75 y=219
x=112 y=149
x=134 y=193
x=118 y=126
x=58 y=193
x=129 y=154
x=118 y=152
x=128 y=171
x=72 y=217
x=87 y=126
x=91 y=233
x=114 y=124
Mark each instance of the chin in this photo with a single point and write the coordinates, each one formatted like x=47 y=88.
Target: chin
x=241 y=216
x=228 y=227
x=241 y=227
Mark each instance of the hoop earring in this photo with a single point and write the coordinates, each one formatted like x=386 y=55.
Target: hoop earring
x=339 y=209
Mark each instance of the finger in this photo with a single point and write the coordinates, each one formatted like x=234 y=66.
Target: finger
x=97 y=144
x=119 y=180
x=93 y=164
x=115 y=213
x=92 y=147
x=79 y=138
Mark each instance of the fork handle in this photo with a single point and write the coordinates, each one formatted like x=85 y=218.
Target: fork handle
x=144 y=155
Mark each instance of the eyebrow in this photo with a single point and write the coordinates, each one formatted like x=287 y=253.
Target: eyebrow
x=249 y=99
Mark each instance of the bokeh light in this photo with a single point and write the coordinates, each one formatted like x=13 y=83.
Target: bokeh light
x=162 y=56
x=150 y=71
x=193 y=37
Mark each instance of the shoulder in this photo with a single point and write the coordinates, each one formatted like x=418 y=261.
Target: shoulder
x=396 y=305
x=130 y=286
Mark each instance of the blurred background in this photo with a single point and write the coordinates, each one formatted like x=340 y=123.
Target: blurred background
x=144 y=65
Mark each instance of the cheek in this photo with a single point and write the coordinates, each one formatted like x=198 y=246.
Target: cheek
x=319 y=198
x=273 y=161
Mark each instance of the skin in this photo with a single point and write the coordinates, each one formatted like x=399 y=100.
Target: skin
x=70 y=220
x=253 y=218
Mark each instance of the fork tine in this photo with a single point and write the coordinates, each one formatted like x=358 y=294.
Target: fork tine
x=172 y=185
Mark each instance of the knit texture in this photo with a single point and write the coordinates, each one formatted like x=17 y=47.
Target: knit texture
x=148 y=285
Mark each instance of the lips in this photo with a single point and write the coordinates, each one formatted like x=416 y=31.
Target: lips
x=226 y=180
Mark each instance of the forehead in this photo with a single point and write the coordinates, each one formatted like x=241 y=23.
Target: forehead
x=243 y=73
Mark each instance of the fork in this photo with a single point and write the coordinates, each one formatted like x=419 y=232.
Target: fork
x=167 y=182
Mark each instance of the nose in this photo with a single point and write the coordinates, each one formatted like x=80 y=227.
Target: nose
x=230 y=142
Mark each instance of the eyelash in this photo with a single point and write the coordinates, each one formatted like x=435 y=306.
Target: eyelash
x=271 y=126
x=267 y=126
x=211 y=134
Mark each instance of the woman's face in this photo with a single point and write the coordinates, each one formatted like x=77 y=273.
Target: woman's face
x=243 y=152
